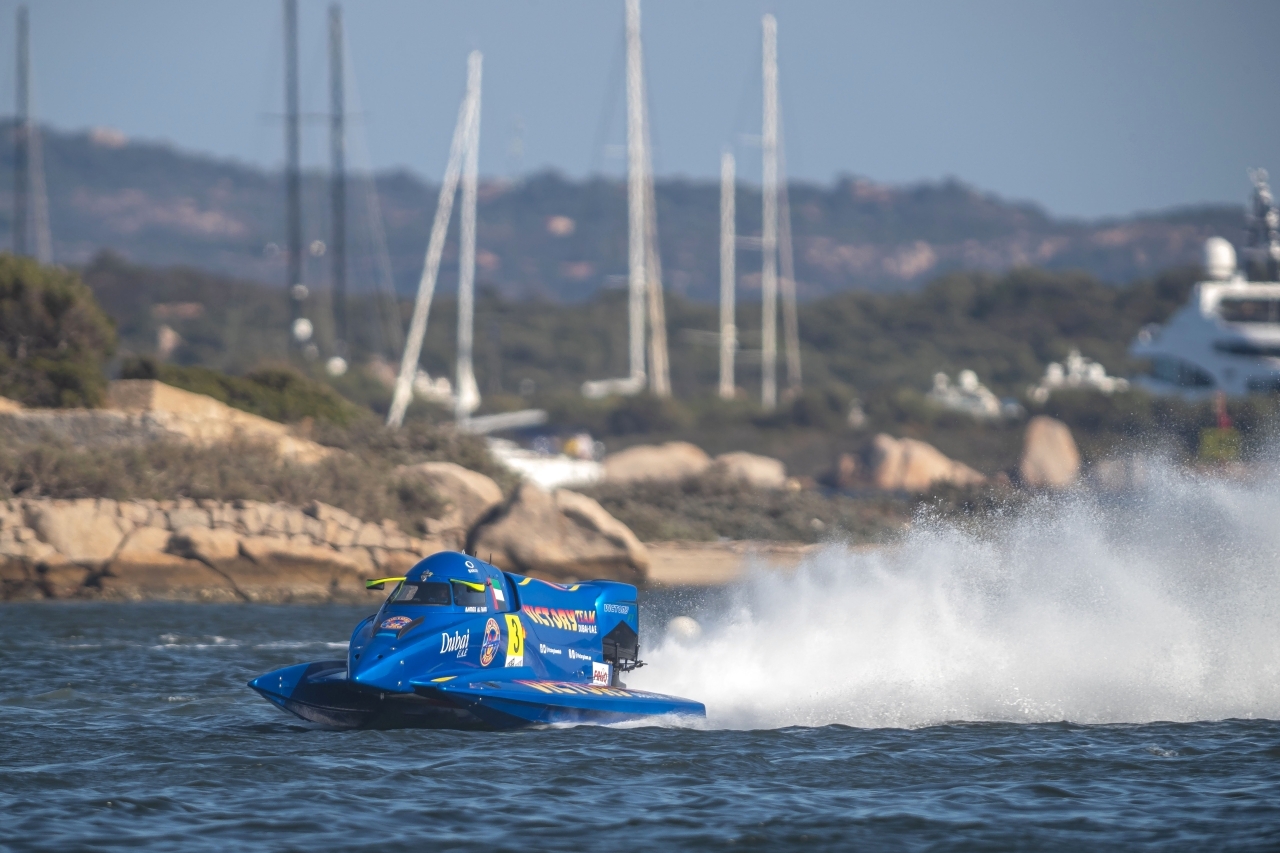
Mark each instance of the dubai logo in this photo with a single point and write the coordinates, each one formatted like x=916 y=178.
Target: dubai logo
x=492 y=639
x=457 y=643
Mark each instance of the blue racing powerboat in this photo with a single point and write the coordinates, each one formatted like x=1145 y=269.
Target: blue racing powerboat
x=459 y=644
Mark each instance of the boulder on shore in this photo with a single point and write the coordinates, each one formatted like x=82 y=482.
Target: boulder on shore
x=758 y=472
x=468 y=496
x=672 y=461
x=909 y=465
x=1050 y=458
x=560 y=536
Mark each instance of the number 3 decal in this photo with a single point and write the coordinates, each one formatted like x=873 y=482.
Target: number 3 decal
x=515 y=640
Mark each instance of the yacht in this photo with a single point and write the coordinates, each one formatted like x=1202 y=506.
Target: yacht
x=1227 y=337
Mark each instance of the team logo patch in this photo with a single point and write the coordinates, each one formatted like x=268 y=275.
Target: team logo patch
x=395 y=623
x=574 y=621
x=492 y=639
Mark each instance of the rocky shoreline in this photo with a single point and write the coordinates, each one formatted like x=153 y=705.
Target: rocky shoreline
x=226 y=551
x=195 y=551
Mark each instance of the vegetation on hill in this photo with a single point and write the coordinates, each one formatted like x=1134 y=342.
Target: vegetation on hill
x=1006 y=327
x=879 y=349
x=54 y=338
x=547 y=236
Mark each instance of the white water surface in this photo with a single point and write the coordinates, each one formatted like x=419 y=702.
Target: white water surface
x=1162 y=604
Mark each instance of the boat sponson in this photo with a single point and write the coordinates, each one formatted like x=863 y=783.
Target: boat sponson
x=536 y=701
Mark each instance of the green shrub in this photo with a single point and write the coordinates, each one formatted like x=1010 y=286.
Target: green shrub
x=279 y=393
x=54 y=338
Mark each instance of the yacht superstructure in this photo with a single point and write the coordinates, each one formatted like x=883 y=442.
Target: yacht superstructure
x=1227 y=337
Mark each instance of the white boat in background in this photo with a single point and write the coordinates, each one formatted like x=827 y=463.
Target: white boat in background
x=1227 y=337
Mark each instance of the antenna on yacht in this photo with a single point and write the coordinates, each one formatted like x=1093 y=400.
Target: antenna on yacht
x=1262 y=226
x=769 y=229
x=435 y=245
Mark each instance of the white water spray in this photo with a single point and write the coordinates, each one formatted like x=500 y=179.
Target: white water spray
x=1162 y=605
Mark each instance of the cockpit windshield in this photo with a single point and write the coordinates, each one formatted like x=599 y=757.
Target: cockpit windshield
x=469 y=594
x=422 y=593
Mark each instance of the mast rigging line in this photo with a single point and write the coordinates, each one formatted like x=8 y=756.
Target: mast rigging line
x=389 y=328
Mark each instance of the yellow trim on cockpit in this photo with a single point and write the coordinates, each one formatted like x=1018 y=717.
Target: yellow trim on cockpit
x=377 y=583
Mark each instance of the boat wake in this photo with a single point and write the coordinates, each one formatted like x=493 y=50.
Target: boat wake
x=1163 y=604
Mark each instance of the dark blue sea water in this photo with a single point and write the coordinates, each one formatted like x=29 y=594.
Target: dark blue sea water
x=128 y=727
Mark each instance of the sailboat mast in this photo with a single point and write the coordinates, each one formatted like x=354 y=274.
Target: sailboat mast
x=22 y=130
x=293 y=174
x=728 y=238
x=435 y=246
x=467 y=395
x=635 y=194
x=338 y=177
x=769 y=230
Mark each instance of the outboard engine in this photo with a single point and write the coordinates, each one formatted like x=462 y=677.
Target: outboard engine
x=622 y=651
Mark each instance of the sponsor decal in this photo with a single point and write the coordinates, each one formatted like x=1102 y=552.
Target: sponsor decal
x=574 y=654
x=575 y=621
x=600 y=674
x=617 y=608
x=395 y=623
x=492 y=639
x=515 y=641
x=549 y=650
x=565 y=688
x=459 y=643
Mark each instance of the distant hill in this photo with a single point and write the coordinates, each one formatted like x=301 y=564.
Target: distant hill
x=553 y=238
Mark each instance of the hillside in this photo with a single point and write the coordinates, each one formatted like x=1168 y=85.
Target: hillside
x=882 y=348
x=557 y=239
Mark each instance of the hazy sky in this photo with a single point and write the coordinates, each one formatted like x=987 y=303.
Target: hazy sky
x=1088 y=108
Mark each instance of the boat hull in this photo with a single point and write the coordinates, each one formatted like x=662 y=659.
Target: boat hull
x=320 y=693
